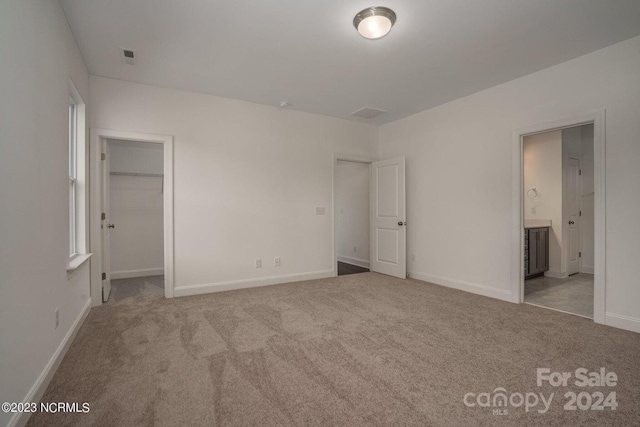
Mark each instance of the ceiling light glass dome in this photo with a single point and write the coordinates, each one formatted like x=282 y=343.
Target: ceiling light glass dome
x=374 y=22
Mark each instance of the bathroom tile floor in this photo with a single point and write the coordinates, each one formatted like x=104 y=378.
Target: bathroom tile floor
x=572 y=295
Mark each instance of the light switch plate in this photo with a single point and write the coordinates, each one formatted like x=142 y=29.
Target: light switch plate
x=320 y=210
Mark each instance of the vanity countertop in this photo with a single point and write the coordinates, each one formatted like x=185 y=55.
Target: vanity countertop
x=537 y=223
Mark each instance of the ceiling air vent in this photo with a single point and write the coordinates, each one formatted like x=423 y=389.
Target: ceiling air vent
x=367 y=113
x=128 y=56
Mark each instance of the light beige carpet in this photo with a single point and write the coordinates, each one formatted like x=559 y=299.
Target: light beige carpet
x=357 y=350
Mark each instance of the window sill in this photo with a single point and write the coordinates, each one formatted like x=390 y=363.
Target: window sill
x=77 y=261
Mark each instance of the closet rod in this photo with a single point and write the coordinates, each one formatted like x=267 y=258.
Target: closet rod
x=150 y=175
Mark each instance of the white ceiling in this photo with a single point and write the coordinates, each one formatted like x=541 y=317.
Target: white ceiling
x=308 y=53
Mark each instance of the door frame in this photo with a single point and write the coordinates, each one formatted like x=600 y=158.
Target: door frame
x=95 y=166
x=598 y=118
x=345 y=158
x=105 y=206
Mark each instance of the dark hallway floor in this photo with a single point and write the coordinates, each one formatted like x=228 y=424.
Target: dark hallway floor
x=344 y=269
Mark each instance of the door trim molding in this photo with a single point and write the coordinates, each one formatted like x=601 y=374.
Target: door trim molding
x=95 y=165
x=345 y=158
x=598 y=118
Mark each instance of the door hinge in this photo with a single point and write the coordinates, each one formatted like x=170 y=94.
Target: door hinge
x=579 y=254
x=579 y=171
x=103 y=216
x=104 y=276
x=103 y=156
x=579 y=213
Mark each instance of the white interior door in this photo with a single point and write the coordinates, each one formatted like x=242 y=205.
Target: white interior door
x=105 y=225
x=572 y=200
x=388 y=237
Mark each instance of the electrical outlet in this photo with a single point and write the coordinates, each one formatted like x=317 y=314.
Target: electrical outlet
x=355 y=249
x=259 y=263
x=276 y=262
x=57 y=317
x=413 y=257
x=533 y=210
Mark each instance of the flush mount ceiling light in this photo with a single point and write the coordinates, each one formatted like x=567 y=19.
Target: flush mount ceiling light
x=374 y=22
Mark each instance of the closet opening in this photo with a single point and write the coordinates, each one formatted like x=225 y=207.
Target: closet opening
x=131 y=216
x=133 y=207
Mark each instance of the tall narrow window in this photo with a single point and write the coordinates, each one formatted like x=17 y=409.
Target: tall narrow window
x=77 y=180
x=73 y=179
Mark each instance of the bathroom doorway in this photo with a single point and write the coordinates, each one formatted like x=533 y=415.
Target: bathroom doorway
x=558 y=205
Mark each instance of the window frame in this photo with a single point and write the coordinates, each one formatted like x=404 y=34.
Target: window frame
x=73 y=179
x=77 y=170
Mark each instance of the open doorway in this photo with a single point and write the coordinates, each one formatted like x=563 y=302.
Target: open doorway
x=131 y=226
x=369 y=211
x=559 y=228
x=133 y=207
x=351 y=193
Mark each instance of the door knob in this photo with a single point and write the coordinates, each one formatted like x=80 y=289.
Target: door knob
x=571 y=222
x=112 y=226
x=401 y=223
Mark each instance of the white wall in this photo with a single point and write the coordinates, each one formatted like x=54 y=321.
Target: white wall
x=247 y=181
x=39 y=56
x=138 y=157
x=352 y=212
x=137 y=247
x=543 y=171
x=459 y=174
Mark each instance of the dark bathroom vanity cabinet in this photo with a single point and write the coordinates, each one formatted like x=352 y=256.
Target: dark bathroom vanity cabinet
x=536 y=251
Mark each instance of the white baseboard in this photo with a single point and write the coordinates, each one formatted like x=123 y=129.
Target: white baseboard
x=589 y=269
x=474 y=288
x=41 y=384
x=354 y=261
x=207 y=288
x=128 y=274
x=623 y=322
x=555 y=274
